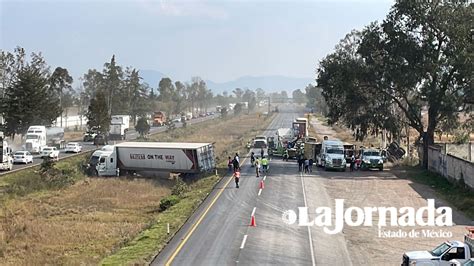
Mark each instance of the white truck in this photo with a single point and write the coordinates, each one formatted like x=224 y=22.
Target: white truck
x=39 y=137
x=131 y=157
x=119 y=125
x=448 y=253
x=331 y=155
x=6 y=159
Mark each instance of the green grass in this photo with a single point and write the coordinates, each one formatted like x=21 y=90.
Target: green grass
x=455 y=193
x=142 y=249
x=27 y=181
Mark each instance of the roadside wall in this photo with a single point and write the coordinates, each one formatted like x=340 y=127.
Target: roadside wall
x=450 y=166
x=71 y=122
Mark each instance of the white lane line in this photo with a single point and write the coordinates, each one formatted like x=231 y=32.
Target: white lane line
x=243 y=242
x=309 y=229
x=265 y=177
x=253 y=212
x=259 y=192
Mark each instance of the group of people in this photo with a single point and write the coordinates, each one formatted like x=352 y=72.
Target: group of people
x=305 y=164
x=261 y=165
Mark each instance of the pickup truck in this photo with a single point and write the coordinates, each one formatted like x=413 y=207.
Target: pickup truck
x=50 y=152
x=444 y=254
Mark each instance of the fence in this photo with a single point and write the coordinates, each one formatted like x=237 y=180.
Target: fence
x=71 y=122
x=451 y=166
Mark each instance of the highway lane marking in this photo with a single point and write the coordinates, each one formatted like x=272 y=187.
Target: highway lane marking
x=309 y=229
x=253 y=212
x=259 y=192
x=188 y=235
x=265 y=177
x=243 y=242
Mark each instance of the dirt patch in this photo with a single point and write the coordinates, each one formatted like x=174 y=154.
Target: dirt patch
x=366 y=246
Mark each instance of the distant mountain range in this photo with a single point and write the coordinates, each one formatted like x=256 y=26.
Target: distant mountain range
x=273 y=83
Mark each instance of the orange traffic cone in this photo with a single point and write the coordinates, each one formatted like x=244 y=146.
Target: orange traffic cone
x=253 y=222
x=262 y=184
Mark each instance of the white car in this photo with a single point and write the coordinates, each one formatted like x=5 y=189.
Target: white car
x=22 y=157
x=73 y=147
x=50 y=152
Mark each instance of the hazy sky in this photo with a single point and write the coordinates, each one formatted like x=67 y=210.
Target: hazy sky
x=216 y=40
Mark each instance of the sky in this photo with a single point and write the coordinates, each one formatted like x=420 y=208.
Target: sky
x=216 y=40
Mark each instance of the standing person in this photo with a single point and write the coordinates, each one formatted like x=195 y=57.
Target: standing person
x=237 y=178
x=353 y=161
x=230 y=162
x=311 y=165
x=252 y=159
x=306 y=165
x=262 y=152
x=257 y=167
x=236 y=162
x=264 y=164
x=300 y=164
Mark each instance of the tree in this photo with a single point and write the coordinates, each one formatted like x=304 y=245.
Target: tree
x=30 y=100
x=113 y=88
x=98 y=114
x=315 y=99
x=422 y=55
x=298 y=96
x=142 y=126
x=60 y=82
x=238 y=93
x=237 y=109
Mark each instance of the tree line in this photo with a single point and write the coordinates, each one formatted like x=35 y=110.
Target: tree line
x=418 y=58
x=32 y=94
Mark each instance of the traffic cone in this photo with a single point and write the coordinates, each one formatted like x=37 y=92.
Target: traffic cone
x=253 y=222
x=262 y=185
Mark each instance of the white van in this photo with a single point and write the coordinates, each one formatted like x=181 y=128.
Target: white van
x=331 y=155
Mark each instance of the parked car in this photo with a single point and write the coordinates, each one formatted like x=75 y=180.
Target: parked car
x=50 y=152
x=371 y=158
x=73 y=147
x=100 y=140
x=22 y=157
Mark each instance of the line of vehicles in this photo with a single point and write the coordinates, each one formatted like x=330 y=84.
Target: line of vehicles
x=295 y=143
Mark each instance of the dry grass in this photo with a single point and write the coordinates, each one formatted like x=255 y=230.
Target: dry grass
x=73 y=135
x=79 y=224
x=227 y=136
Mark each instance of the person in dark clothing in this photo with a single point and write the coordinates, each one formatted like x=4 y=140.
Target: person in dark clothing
x=236 y=162
x=262 y=152
x=300 y=164
x=252 y=159
x=311 y=165
x=353 y=161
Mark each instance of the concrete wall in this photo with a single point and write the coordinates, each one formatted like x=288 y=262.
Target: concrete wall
x=450 y=166
x=459 y=150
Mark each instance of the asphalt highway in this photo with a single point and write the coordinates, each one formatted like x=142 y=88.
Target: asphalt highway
x=218 y=233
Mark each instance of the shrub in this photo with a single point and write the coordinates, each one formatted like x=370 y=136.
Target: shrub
x=169 y=201
x=180 y=188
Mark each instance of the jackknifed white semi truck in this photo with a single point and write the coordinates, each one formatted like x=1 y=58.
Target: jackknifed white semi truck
x=132 y=157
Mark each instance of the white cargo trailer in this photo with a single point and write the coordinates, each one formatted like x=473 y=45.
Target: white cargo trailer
x=132 y=157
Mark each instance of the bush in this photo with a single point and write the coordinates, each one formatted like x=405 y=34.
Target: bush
x=169 y=201
x=180 y=188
